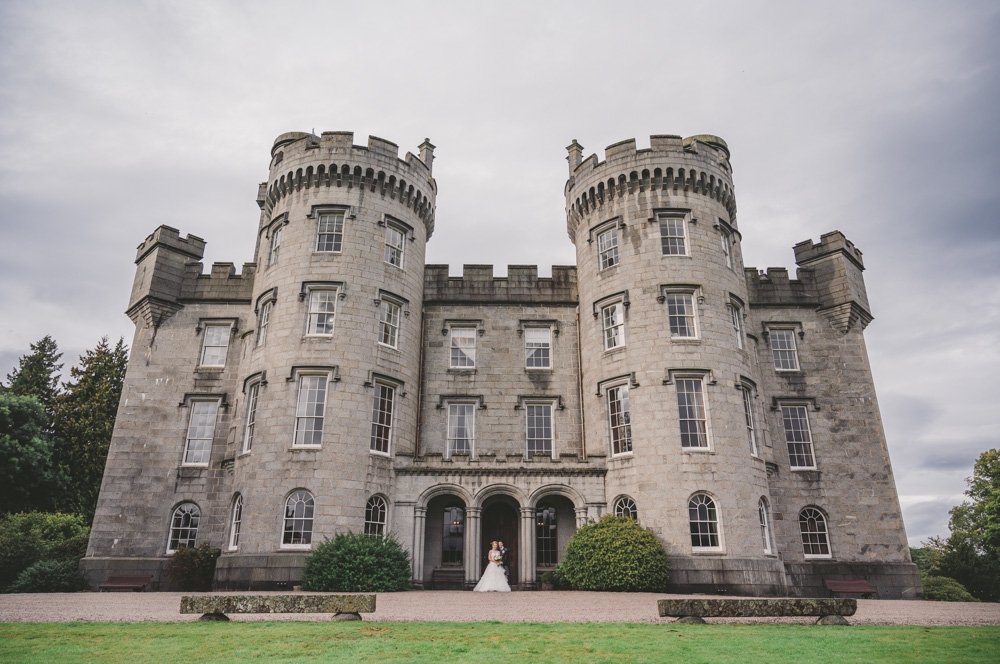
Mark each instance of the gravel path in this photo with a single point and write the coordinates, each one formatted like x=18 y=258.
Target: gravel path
x=461 y=606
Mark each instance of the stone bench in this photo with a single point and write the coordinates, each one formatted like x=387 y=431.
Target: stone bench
x=215 y=607
x=859 y=586
x=136 y=582
x=829 y=611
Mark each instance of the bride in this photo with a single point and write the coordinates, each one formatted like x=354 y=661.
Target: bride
x=493 y=579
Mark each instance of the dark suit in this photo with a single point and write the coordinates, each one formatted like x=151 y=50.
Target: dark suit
x=505 y=560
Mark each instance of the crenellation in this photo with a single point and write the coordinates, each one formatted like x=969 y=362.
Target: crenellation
x=521 y=285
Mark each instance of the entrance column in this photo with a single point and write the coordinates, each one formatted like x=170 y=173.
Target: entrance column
x=419 y=517
x=581 y=517
x=473 y=556
x=527 y=547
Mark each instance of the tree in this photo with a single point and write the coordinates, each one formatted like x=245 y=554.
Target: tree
x=37 y=374
x=85 y=419
x=28 y=478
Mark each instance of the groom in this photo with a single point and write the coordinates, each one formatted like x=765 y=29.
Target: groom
x=505 y=560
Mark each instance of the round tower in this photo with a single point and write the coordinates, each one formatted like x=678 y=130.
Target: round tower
x=330 y=363
x=670 y=389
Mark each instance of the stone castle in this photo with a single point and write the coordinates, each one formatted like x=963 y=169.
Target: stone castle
x=339 y=383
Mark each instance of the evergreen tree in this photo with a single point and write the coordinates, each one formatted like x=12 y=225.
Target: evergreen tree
x=85 y=418
x=28 y=479
x=37 y=374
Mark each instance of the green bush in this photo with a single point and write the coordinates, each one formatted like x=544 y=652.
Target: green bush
x=34 y=536
x=352 y=562
x=50 y=576
x=614 y=554
x=193 y=568
x=944 y=589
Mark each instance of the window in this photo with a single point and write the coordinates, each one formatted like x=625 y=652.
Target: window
x=453 y=535
x=539 y=421
x=680 y=313
x=812 y=526
x=537 y=348
x=213 y=351
x=262 y=322
x=382 y=418
x=330 y=232
x=394 y=239
x=309 y=410
x=607 y=248
x=783 y=350
x=727 y=248
x=736 y=318
x=704 y=522
x=388 y=323
x=691 y=412
x=748 y=419
x=798 y=437
x=375 y=512
x=201 y=431
x=545 y=535
x=765 y=527
x=251 y=427
x=299 y=508
x=322 y=309
x=613 y=323
x=625 y=506
x=463 y=347
x=184 y=527
x=673 y=236
x=275 y=246
x=620 y=420
x=235 y=523
x=461 y=428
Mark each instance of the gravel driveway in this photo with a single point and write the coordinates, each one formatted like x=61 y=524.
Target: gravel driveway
x=463 y=606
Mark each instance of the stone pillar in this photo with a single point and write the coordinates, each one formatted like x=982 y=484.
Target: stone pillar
x=527 y=558
x=419 y=517
x=473 y=556
x=581 y=516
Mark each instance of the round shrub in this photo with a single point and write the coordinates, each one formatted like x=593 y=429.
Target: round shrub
x=352 y=562
x=50 y=576
x=193 y=568
x=29 y=537
x=614 y=554
x=944 y=589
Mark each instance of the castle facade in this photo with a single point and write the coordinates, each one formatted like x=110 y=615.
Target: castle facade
x=339 y=383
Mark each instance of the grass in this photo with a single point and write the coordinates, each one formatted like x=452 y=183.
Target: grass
x=489 y=642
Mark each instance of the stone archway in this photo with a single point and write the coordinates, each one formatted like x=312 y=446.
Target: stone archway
x=501 y=520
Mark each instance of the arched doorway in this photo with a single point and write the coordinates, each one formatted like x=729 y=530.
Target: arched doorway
x=501 y=522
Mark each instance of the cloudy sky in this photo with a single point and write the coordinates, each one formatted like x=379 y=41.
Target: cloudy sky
x=879 y=119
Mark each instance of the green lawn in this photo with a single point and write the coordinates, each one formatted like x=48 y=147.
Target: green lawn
x=490 y=642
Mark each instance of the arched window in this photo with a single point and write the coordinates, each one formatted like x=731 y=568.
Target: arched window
x=375 y=512
x=765 y=524
x=625 y=506
x=453 y=535
x=236 y=521
x=704 y=522
x=815 y=541
x=545 y=535
x=184 y=527
x=299 y=509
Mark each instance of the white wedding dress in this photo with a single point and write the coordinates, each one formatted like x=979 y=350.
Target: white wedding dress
x=493 y=580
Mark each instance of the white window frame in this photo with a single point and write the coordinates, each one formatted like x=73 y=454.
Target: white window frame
x=308 y=515
x=263 y=320
x=607 y=248
x=793 y=432
x=772 y=332
x=337 y=236
x=301 y=419
x=469 y=408
x=709 y=548
x=205 y=346
x=389 y=318
x=531 y=346
x=727 y=247
x=736 y=320
x=625 y=506
x=235 y=522
x=394 y=254
x=194 y=405
x=274 y=245
x=764 y=516
x=382 y=419
x=250 y=425
x=529 y=406
x=613 y=325
x=618 y=393
x=688 y=298
x=466 y=332
x=749 y=419
x=196 y=517
x=664 y=220
x=376 y=516
x=314 y=314
x=684 y=412
x=825 y=533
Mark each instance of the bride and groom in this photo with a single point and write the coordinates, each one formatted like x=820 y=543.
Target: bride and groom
x=496 y=578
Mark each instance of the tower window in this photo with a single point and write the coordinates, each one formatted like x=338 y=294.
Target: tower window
x=619 y=420
x=251 y=427
x=298 y=526
x=613 y=323
x=748 y=418
x=681 y=316
x=815 y=538
x=183 y=527
x=765 y=525
x=625 y=506
x=236 y=523
x=463 y=347
x=783 y=350
x=673 y=235
x=201 y=432
x=330 y=232
x=798 y=437
x=375 y=516
x=382 y=418
x=322 y=310
x=216 y=343
x=394 y=240
x=607 y=248
x=310 y=408
x=704 y=520
x=275 y=246
x=262 y=322
x=727 y=248
x=736 y=319
x=691 y=413
x=388 y=323
x=537 y=348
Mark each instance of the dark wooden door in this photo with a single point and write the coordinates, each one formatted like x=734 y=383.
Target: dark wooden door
x=500 y=522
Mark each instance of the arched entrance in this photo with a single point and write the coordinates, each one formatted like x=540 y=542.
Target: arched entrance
x=501 y=522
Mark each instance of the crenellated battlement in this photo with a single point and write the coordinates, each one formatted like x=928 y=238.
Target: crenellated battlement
x=192 y=246
x=774 y=287
x=522 y=285
x=807 y=251
x=221 y=284
x=672 y=166
x=301 y=160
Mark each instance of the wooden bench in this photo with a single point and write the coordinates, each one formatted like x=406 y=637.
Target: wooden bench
x=215 y=607
x=829 y=611
x=136 y=582
x=849 y=586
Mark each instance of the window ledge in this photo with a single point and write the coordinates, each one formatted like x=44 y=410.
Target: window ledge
x=616 y=349
x=539 y=369
x=803 y=469
x=210 y=368
x=715 y=551
x=382 y=345
x=295 y=547
x=194 y=465
x=327 y=253
x=790 y=372
x=243 y=454
x=384 y=455
x=818 y=557
x=698 y=450
x=621 y=457
x=688 y=256
x=317 y=337
x=461 y=370
x=305 y=448
x=690 y=341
